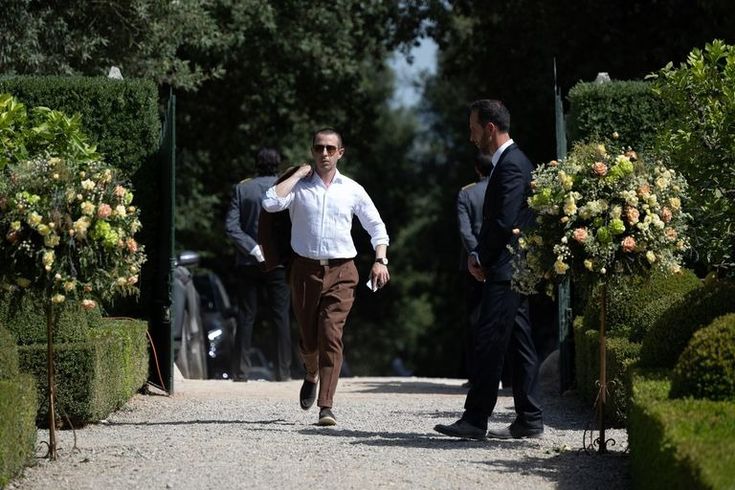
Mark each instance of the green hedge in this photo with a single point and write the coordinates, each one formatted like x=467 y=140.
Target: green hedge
x=24 y=315
x=17 y=411
x=620 y=355
x=630 y=108
x=120 y=116
x=706 y=368
x=635 y=304
x=679 y=444
x=670 y=334
x=95 y=377
x=17 y=425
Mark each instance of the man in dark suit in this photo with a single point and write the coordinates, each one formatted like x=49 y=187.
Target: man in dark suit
x=504 y=326
x=242 y=227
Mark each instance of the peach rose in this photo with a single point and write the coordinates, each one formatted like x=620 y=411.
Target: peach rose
x=104 y=211
x=666 y=215
x=632 y=215
x=599 y=168
x=580 y=234
x=628 y=244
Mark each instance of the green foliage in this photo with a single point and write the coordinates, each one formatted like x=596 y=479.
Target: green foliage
x=706 y=368
x=670 y=334
x=635 y=303
x=621 y=355
x=17 y=425
x=699 y=140
x=145 y=38
x=120 y=117
x=94 y=377
x=8 y=355
x=679 y=443
x=629 y=108
x=25 y=316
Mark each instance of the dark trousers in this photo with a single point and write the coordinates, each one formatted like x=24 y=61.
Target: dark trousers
x=252 y=281
x=473 y=296
x=504 y=328
x=322 y=298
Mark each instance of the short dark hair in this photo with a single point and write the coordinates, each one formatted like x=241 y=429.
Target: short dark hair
x=267 y=161
x=492 y=111
x=483 y=163
x=326 y=131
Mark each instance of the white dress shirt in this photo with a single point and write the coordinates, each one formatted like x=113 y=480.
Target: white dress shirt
x=321 y=216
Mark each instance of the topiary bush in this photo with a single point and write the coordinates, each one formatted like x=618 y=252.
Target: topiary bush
x=634 y=304
x=23 y=313
x=706 y=368
x=670 y=334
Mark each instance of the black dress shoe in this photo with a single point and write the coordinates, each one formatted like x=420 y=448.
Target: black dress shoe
x=515 y=432
x=307 y=395
x=461 y=429
x=326 y=417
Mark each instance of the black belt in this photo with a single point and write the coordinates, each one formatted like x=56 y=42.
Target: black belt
x=323 y=262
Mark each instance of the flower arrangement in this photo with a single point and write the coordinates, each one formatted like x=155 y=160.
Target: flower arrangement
x=601 y=212
x=67 y=223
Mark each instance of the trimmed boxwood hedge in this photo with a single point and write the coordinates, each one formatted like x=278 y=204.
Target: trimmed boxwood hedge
x=678 y=444
x=17 y=411
x=24 y=315
x=94 y=377
x=121 y=116
x=670 y=334
x=635 y=304
x=17 y=425
x=628 y=107
x=706 y=368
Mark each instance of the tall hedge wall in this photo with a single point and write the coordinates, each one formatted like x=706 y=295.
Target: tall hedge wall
x=629 y=108
x=121 y=116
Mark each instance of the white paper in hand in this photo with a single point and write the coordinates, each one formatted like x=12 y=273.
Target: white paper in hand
x=372 y=287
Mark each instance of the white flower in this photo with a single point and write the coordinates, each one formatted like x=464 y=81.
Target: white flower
x=651 y=257
x=88 y=185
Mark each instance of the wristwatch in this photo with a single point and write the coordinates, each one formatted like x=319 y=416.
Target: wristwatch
x=382 y=260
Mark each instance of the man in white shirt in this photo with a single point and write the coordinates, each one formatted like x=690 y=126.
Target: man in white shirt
x=321 y=202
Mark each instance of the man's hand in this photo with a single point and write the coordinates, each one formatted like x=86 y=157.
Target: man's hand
x=304 y=170
x=379 y=275
x=475 y=268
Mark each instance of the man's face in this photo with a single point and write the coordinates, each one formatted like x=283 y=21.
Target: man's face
x=481 y=136
x=327 y=150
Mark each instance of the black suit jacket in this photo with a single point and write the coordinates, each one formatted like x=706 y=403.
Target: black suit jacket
x=504 y=209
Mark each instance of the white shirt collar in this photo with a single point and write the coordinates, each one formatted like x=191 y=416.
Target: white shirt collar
x=499 y=151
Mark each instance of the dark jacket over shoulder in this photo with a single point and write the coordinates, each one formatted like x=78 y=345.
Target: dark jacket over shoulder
x=505 y=208
x=241 y=223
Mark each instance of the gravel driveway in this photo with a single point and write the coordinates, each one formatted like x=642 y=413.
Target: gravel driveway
x=219 y=434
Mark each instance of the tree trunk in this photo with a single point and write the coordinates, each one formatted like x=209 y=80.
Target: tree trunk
x=51 y=379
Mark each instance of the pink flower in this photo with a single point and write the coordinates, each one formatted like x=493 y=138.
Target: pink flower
x=670 y=233
x=628 y=244
x=599 y=168
x=132 y=245
x=632 y=214
x=666 y=215
x=580 y=234
x=88 y=304
x=104 y=211
x=644 y=190
x=119 y=191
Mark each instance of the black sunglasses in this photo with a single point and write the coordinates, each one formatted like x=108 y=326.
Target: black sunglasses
x=331 y=149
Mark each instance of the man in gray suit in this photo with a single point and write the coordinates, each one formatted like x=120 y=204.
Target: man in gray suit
x=242 y=228
x=469 y=220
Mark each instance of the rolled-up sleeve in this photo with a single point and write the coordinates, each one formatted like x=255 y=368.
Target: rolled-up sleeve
x=370 y=219
x=273 y=203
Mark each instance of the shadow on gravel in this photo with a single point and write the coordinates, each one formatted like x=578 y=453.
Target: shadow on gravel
x=409 y=387
x=417 y=440
x=571 y=470
x=214 y=422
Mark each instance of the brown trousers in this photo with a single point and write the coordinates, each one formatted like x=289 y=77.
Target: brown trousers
x=322 y=296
